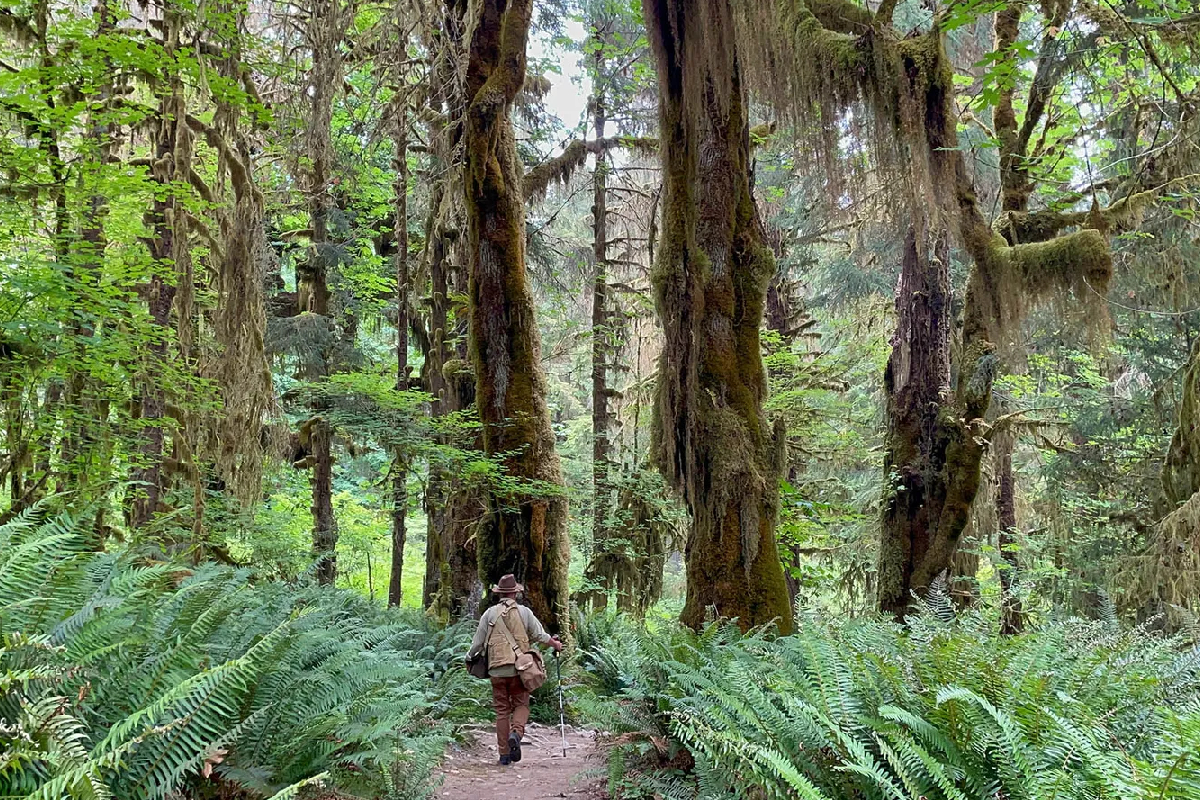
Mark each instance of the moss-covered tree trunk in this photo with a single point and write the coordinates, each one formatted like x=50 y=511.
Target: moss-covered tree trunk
x=1167 y=575
x=453 y=507
x=239 y=320
x=712 y=442
x=82 y=449
x=168 y=244
x=917 y=384
x=403 y=287
x=937 y=435
x=525 y=531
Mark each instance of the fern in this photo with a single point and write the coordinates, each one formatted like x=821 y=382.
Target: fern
x=867 y=710
x=123 y=683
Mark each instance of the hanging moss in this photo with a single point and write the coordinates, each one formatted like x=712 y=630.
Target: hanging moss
x=630 y=563
x=710 y=278
x=824 y=57
x=557 y=170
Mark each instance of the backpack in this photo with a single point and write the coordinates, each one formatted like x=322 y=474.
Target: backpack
x=530 y=667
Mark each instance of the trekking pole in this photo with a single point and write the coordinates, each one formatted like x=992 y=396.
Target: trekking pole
x=562 y=720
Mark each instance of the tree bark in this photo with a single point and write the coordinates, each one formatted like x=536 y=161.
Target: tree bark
x=240 y=317
x=325 y=532
x=169 y=249
x=934 y=456
x=601 y=575
x=525 y=530
x=453 y=507
x=1012 y=615
x=325 y=31
x=924 y=500
x=711 y=441
x=403 y=285
x=80 y=442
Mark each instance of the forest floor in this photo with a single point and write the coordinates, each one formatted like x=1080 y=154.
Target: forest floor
x=471 y=771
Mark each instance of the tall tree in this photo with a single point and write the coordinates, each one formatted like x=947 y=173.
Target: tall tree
x=169 y=248
x=600 y=570
x=452 y=506
x=327 y=22
x=403 y=286
x=712 y=442
x=525 y=531
x=936 y=433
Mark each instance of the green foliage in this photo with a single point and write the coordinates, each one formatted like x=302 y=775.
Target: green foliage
x=866 y=709
x=130 y=678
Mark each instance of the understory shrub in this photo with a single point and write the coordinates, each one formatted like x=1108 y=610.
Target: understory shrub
x=131 y=678
x=869 y=709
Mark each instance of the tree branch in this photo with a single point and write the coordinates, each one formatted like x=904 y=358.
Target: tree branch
x=238 y=174
x=559 y=169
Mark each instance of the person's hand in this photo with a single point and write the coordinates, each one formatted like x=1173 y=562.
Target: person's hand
x=556 y=644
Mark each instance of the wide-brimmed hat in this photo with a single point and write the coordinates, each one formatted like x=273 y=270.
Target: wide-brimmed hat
x=508 y=585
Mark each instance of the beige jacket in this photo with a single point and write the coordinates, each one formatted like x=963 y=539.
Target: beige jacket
x=488 y=634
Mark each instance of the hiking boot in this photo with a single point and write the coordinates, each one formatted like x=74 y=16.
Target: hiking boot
x=505 y=761
x=514 y=748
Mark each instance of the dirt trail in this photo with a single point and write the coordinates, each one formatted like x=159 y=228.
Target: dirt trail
x=471 y=771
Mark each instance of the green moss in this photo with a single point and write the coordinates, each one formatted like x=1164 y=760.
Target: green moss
x=1061 y=264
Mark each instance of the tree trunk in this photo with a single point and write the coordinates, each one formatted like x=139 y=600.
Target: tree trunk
x=84 y=268
x=936 y=439
x=48 y=136
x=1012 y=616
x=240 y=318
x=325 y=30
x=711 y=441
x=525 y=531
x=601 y=573
x=325 y=532
x=916 y=383
x=169 y=249
x=453 y=507
x=403 y=285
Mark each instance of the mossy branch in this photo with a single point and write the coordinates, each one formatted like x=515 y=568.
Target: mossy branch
x=202 y=188
x=844 y=16
x=1123 y=214
x=494 y=80
x=1018 y=227
x=198 y=226
x=560 y=169
x=238 y=174
x=1043 y=268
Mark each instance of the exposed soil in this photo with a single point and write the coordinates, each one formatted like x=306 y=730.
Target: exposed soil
x=471 y=771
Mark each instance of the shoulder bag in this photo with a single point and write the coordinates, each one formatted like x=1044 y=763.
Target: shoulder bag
x=477 y=665
x=530 y=667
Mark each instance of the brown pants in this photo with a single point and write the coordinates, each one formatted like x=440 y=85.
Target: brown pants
x=511 y=700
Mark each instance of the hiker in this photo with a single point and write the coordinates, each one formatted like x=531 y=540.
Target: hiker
x=509 y=695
